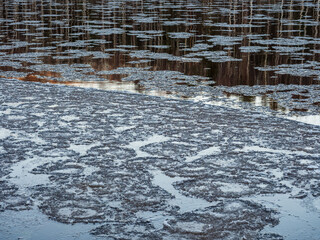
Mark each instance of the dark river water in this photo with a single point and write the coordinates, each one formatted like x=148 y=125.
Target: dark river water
x=264 y=52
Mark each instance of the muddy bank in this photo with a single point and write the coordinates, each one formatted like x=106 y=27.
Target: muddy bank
x=139 y=167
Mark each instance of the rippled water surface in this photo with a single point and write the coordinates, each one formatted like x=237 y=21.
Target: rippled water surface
x=231 y=52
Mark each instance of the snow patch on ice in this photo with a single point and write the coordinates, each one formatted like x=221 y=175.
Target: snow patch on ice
x=136 y=145
x=16 y=104
x=21 y=173
x=124 y=128
x=232 y=187
x=269 y=150
x=206 y=152
x=4 y=133
x=70 y=118
x=15 y=117
x=81 y=148
x=6 y=112
x=311 y=119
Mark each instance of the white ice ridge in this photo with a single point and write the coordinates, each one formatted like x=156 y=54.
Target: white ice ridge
x=269 y=150
x=205 y=152
x=311 y=119
x=124 y=128
x=136 y=145
x=82 y=149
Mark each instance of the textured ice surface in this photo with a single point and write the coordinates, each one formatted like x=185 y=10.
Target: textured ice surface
x=152 y=167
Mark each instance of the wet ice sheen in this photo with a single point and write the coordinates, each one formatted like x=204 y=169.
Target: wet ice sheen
x=34 y=225
x=21 y=173
x=185 y=204
x=299 y=219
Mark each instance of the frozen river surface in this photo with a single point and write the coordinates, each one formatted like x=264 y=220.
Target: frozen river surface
x=140 y=167
x=207 y=159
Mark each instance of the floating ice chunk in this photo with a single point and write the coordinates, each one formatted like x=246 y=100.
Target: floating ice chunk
x=159 y=46
x=283 y=41
x=288 y=49
x=140 y=19
x=106 y=32
x=16 y=117
x=226 y=25
x=198 y=47
x=183 y=35
x=76 y=212
x=225 y=40
x=252 y=49
x=214 y=56
x=277 y=173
